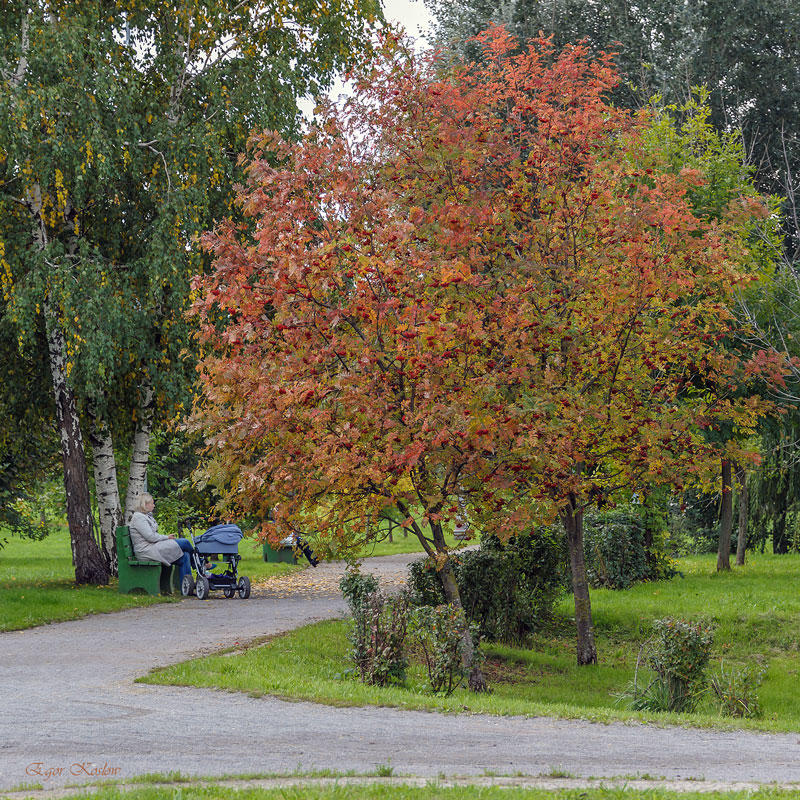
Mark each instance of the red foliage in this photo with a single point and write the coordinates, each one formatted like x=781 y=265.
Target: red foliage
x=474 y=285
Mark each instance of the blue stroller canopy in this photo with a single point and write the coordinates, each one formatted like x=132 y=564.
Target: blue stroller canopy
x=220 y=539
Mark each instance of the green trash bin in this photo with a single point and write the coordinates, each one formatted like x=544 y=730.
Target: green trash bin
x=275 y=555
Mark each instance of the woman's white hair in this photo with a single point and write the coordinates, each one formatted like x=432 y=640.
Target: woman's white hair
x=139 y=503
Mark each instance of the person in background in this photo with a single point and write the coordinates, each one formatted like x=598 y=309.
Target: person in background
x=150 y=545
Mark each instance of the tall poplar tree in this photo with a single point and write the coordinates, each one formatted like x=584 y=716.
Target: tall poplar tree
x=120 y=125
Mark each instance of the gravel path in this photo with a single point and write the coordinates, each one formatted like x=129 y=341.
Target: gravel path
x=72 y=713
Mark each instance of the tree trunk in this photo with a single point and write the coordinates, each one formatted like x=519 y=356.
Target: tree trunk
x=725 y=518
x=105 y=483
x=651 y=519
x=137 y=477
x=744 y=512
x=780 y=543
x=90 y=565
x=87 y=558
x=572 y=517
x=476 y=681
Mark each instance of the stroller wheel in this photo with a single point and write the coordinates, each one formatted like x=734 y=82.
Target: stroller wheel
x=229 y=591
x=201 y=587
x=187 y=585
x=243 y=587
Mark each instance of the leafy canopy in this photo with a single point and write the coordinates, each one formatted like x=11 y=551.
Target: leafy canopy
x=120 y=123
x=487 y=285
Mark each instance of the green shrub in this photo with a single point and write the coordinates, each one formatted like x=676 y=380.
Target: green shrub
x=735 y=690
x=678 y=654
x=439 y=634
x=378 y=631
x=507 y=590
x=655 y=696
x=356 y=587
x=617 y=551
x=424 y=587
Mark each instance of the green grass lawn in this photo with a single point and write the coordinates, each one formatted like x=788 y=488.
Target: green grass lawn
x=755 y=611
x=404 y=544
x=398 y=791
x=37 y=583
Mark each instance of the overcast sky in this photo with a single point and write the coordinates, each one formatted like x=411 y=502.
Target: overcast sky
x=411 y=14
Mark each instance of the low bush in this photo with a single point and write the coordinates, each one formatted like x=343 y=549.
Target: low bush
x=379 y=628
x=625 y=545
x=507 y=590
x=438 y=633
x=356 y=588
x=424 y=588
x=678 y=655
x=735 y=690
x=614 y=549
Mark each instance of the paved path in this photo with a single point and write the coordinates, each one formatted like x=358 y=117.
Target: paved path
x=71 y=711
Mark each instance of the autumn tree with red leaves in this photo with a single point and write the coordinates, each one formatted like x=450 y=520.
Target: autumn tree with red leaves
x=480 y=286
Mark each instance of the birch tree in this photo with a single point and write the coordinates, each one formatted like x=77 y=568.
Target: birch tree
x=120 y=125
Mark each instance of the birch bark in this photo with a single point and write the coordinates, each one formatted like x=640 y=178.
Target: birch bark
x=90 y=565
x=137 y=476
x=105 y=483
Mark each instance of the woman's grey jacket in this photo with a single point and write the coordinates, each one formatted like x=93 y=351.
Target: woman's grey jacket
x=149 y=544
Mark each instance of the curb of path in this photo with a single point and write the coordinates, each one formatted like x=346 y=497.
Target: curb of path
x=520 y=782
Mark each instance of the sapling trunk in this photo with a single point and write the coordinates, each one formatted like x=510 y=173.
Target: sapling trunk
x=725 y=518
x=572 y=517
x=744 y=511
x=476 y=680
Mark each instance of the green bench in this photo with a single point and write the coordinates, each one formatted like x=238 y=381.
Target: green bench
x=149 y=576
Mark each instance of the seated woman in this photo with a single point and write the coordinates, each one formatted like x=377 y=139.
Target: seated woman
x=150 y=545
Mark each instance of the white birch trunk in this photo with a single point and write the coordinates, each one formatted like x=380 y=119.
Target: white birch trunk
x=106 y=486
x=68 y=426
x=137 y=476
x=90 y=565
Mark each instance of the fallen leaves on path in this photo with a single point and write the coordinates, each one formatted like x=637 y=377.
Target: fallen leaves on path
x=324 y=580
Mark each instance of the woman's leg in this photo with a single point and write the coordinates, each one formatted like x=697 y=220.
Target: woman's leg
x=184 y=564
x=184 y=567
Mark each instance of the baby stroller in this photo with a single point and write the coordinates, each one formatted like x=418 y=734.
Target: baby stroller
x=220 y=542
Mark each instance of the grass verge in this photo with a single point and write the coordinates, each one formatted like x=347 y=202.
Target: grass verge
x=405 y=544
x=432 y=791
x=755 y=611
x=37 y=583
